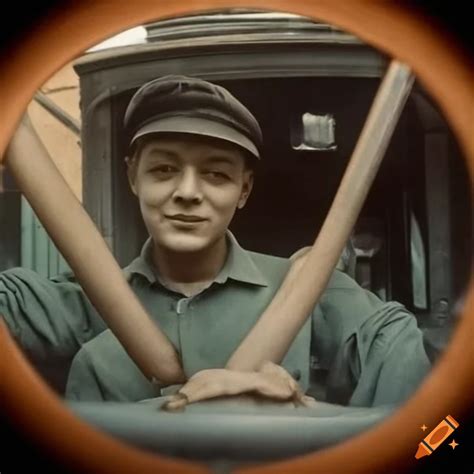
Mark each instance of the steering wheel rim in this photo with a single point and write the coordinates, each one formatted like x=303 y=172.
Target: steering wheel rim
x=389 y=27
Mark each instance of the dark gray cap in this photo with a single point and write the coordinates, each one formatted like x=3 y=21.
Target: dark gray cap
x=189 y=105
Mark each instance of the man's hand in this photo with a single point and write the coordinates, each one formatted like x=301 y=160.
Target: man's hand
x=271 y=381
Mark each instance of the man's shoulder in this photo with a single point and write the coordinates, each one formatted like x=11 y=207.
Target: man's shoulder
x=261 y=268
x=266 y=262
x=26 y=277
x=342 y=281
x=274 y=266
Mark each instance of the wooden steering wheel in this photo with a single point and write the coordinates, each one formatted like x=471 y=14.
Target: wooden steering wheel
x=389 y=27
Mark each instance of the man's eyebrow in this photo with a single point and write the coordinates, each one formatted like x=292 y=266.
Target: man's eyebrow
x=220 y=158
x=160 y=150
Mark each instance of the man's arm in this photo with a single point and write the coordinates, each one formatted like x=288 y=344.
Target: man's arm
x=103 y=371
x=48 y=318
x=395 y=366
x=373 y=351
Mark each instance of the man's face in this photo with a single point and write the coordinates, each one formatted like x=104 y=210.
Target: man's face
x=188 y=188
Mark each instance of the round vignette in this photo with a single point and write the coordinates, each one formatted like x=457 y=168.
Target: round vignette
x=390 y=27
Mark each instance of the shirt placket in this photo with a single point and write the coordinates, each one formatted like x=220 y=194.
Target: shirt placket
x=182 y=310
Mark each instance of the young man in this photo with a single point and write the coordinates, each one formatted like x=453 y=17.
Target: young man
x=193 y=147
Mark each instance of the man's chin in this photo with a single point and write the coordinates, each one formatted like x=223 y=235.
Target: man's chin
x=184 y=243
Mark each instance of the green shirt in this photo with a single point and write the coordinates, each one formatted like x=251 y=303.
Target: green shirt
x=370 y=352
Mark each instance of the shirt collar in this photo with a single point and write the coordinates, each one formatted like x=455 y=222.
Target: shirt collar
x=239 y=265
x=143 y=265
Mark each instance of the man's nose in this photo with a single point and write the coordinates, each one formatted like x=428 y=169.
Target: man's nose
x=188 y=187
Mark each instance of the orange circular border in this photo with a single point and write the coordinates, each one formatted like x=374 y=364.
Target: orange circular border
x=389 y=26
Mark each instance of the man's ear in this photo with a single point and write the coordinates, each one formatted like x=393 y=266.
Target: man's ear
x=131 y=173
x=246 y=188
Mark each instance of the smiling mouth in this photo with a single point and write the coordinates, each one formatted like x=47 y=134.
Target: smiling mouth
x=186 y=218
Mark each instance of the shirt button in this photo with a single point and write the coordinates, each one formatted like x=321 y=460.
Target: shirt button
x=182 y=305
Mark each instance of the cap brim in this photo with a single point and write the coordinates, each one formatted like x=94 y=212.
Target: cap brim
x=197 y=126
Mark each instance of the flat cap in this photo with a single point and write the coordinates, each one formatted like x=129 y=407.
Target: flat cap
x=190 y=105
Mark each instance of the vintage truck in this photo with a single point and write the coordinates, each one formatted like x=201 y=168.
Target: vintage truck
x=310 y=86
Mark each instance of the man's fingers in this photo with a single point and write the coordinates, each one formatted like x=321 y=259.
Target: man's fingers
x=201 y=391
x=277 y=383
x=308 y=401
x=209 y=383
x=176 y=402
x=271 y=381
x=277 y=386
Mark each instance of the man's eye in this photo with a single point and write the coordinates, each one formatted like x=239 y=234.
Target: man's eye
x=163 y=169
x=217 y=175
